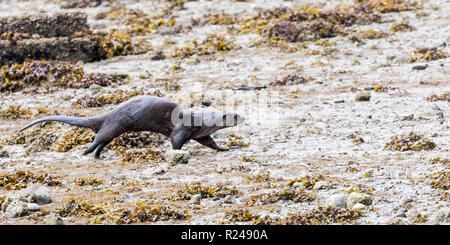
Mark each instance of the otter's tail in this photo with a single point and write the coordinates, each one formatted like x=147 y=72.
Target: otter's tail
x=86 y=122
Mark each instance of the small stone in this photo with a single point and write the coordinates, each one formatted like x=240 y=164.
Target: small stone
x=53 y=219
x=337 y=200
x=442 y=216
x=15 y=208
x=412 y=214
x=33 y=207
x=262 y=172
x=35 y=193
x=339 y=101
x=397 y=221
x=4 y=154
x=359 y=206
x=95 y=87
x=401 y=213
x=159 y=55
x=297 y=185
x=356 y=197
x=423 y=144
x=167 y=31
x=363 y=96
x=321 y=185
x=228 y=199
x=403 y=59
x=178 y=156
x=410 y=117
x=196 y=198
x=420 y=67
x=159 y=170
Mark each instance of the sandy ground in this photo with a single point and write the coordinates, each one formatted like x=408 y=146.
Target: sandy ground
x=292 y=131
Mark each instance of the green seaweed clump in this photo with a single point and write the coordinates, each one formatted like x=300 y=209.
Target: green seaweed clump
x=387 y=6
x=146 y=213
x=118 y=43
x=88 y=181
x=62 y=74
x=443 y=97
x=239 y=215
x=115 y=98
x=139 y=156
x=20 y=179
x=403 y=26
x=187 y=191
x=76 y=207
x=322 y=216
x=412 y=141
x=427 y=54
x=285 y=194
x=136 y=140
x=212 y=44
x=15 y=112
x=80 y=136
x=307 y=181
x=440 y=180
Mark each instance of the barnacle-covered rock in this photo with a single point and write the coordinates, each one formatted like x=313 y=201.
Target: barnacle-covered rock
x=423 y=145
x=356 y=197
x=177 y=156
x=57 y=73
x=59 y=25
x=406 y=142
x=427 y=54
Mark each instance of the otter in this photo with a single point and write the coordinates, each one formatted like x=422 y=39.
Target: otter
x=155 y=114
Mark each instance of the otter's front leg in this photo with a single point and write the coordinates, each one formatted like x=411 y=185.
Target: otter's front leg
x=179 y=138
x=209 y=142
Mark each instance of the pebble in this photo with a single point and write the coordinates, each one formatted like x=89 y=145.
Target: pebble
x=359 y=206
x=337 y=200
x=35 y=193
x=4 y=154
x=321 y=185
x=403 y=59
x=22 y=202
x=442 y=216
x=423 y=144
x=15 y=208
x=363 y=96
x=420 y=67
x=196 y=198
x=158 y=56
x=53 y=219
x=228 y=199
x=397 y=221
x=412 y=214
x=356 y=197
x=95 y=87
x=401 y=213
x=33 y=207
x=166 y=31
x=178 y=156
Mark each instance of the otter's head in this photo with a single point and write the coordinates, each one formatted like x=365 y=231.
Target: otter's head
x=205 y=123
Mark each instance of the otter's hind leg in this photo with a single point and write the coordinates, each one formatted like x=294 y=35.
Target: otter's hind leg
x=92 y=147
x=209 y=142
x=103 y=138
x=100 y=148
